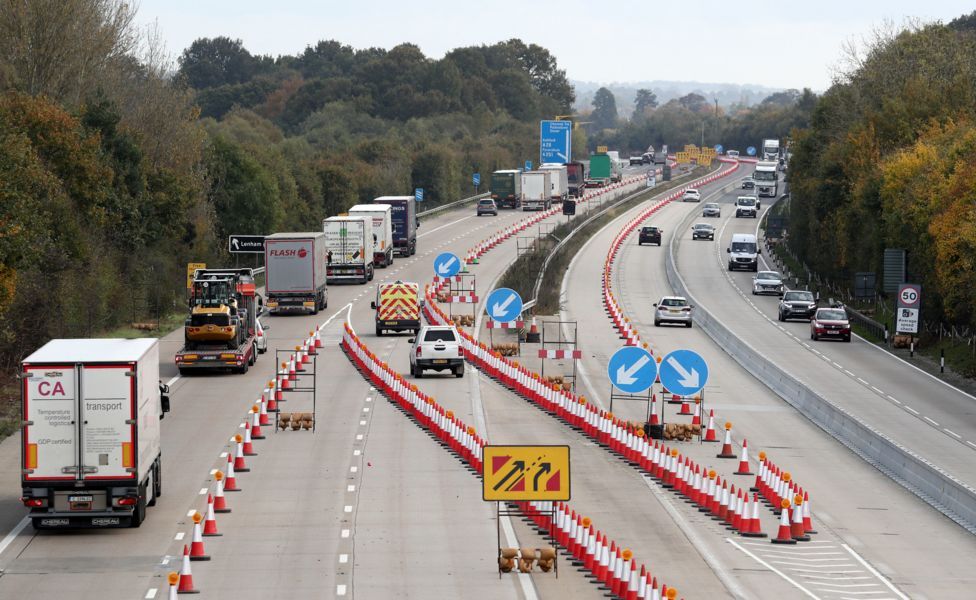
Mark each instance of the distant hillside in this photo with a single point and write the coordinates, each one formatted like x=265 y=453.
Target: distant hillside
x=727 y=94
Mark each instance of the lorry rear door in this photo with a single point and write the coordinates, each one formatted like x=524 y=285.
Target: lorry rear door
x=51 y=429
x=108 y=422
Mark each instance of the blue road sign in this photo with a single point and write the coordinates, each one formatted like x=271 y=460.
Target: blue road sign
x=719 y=148
x=447 y=264
x=684 y=372
x=632 y=370
x=555 y=141
x=476 y=179
x=419 y=194
x=504 y=305
x=751 y=150
x=528 y=165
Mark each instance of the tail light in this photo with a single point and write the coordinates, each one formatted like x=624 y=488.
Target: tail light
x=34 y=502
x=686 y=309
x=460 y=352
x=127 y=501
x=418 y=352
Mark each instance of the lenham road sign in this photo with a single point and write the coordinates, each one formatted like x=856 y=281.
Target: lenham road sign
x=525 y=473
x=246 y=244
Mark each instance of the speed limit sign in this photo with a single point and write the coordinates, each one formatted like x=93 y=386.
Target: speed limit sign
x=909 y=295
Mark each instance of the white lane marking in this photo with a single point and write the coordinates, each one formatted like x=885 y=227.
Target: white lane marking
x=173 y=380
x=353 y=469
x=362 y=422
x=343 y=559
x=952 y=433
x=774 y=570
x=203 y=491
x=340 y=590
x=357 y=452
x=862 y=381
x=359 y=437
x=366 y=408
x=910 y=409
x=848 y=372
x=347 y=508
x=191 y=512
x=150 y=594
x=893 y=399
x=877 y=390
x=426 y=233
x=10 y=537
x=179 y=536
x=350 y=488
x=345 y=533
x=875 y=572
x=930 y=421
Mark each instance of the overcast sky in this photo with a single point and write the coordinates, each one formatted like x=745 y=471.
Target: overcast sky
x=707 y=41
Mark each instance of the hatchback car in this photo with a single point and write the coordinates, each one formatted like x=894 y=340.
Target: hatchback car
x=487 y=206
x=767 y=282
x=649 y=235
x=797 y=304
x=691 y=195
x=711 y=209
x=830 y=323
x=261 y=336
x=672 y=309
x=748 y=183
x=702 y=231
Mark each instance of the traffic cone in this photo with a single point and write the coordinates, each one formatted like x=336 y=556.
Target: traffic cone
x=685 y=409
x=263 y=419
x=532 y=336
x=727 y=444
x=744 y=459
x=239 y=465
x=210 y=522
x=230 y=480
x=186 y=575
x=273 y=397
x=318 y=339
x=784 y=536
x=807 y=520
x=312 y=348
x=247 y=446
x=220 y=502
x=760 y=474
x=654 y=420
x=696 y=420
x=173 y=579
x=675 y=399
x=197 y=551
x=796 y=528
x=631 y=591
x=710 y=432
x=256 y=423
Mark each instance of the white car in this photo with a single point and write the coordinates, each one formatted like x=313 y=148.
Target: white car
x=672 y=309
x=767 y=282
x=691 y=195
x=261 y=337
x=438 y=348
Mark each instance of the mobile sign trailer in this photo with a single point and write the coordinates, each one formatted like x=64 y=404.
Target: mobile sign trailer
x=90 y=447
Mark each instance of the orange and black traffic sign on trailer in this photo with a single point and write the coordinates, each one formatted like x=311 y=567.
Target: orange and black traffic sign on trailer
x=525 y=473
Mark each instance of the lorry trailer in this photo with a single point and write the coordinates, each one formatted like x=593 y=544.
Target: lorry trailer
x=295 y=266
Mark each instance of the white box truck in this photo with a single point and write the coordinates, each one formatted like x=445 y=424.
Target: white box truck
x=350 y=249
x=536 y=190
x=382 y=216
x=90 y=446
x=296 y=266
x=558 y=179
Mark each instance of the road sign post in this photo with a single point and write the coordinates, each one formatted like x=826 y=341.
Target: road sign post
x=555 y=141
x=476 y=180
x=632 y=370
x=528 y=165
x=909 y=304
x=418 y=194
x=245 y=244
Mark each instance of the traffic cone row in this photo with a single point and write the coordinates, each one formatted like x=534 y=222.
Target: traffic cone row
x=776 y=485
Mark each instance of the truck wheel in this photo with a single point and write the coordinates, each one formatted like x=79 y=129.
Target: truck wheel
x=459 y=372
x=379 y=331
x=254 y=355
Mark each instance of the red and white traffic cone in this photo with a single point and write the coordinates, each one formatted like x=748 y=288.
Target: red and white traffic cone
x=685 y=409
x=727 y=444
x=220 y=502
x=710 y=431
x=696 y=420
x=186 y=575
x=796 y=527
x=654 y=417
x=263 y=419
x=247 y=446
x=744 y=459
x=210 y=522
x=318 y=339
x=239 y=465
x=761 y=474
x=256 y=423
x=197 y=551
x=807 y=520
x=173 y=579
x=230 y=480
x=784 y=535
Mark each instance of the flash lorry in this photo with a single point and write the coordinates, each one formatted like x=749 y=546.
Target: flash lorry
x=90 y=451
x=295 y=265
x=397 y=307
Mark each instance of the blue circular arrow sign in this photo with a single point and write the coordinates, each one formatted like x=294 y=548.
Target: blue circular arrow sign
x=719 y=148
x=751 y=150
x=632 y=370
x=504 y=305
x=447 y=265
x=684 y=372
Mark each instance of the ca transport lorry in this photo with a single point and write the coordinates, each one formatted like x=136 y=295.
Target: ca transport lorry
x=296 y=272
x=350 y=249
x=405 y=222
x=90 y=435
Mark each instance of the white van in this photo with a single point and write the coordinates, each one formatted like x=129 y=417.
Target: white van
x=743 y=252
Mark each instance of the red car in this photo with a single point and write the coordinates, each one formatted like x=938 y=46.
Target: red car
x=830 y=323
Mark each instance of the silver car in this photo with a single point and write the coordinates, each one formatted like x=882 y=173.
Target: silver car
x=672 y=309
x=711 y=209
x=261 y=336
x=767 y=282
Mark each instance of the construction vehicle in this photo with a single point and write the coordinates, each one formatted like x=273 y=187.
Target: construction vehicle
x=90 y=443
x=220 y=330
x=397 y=307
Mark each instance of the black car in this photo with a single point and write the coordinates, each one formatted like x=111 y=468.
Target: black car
x=702 y=231
x=649 y=235
x=797 y=304
x=748 y=183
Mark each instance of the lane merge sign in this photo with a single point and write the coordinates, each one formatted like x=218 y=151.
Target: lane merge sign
x=632 y=370
x=504 y=305
x=245 y=244
x=683 y=372
x=525 y=473
x=447 y=264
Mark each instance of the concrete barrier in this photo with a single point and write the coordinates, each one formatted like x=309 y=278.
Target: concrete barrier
x=926 y=480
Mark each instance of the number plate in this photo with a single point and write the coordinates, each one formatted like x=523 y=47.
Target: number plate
x=80 y=498
x=832 y=332
x=208 y=358
x=440 y=361
x=390 y=322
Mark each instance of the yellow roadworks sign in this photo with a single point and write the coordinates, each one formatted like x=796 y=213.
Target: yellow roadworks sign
x=523 y=473
x=190 y=268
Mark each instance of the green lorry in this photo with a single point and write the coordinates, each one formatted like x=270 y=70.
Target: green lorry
x=601 y=170
x=506 y=188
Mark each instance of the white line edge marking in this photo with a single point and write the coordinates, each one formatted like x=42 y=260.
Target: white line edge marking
x=774 y=570
x=875 y=572
x=151 y=594
x=930 y=421
x=10 y=537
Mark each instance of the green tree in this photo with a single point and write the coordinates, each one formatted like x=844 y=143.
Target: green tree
x=604 y=114
x=243 y=193
x=211 y=62
x=646 y=99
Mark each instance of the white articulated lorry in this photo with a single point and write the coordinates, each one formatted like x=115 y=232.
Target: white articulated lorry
x=382 y=217
x=558 y=180
x=536 y=190
x=350 y=248
x=90 y=451
x=296 y=272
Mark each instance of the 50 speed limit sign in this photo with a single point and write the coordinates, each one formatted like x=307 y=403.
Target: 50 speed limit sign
x=909 y=295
